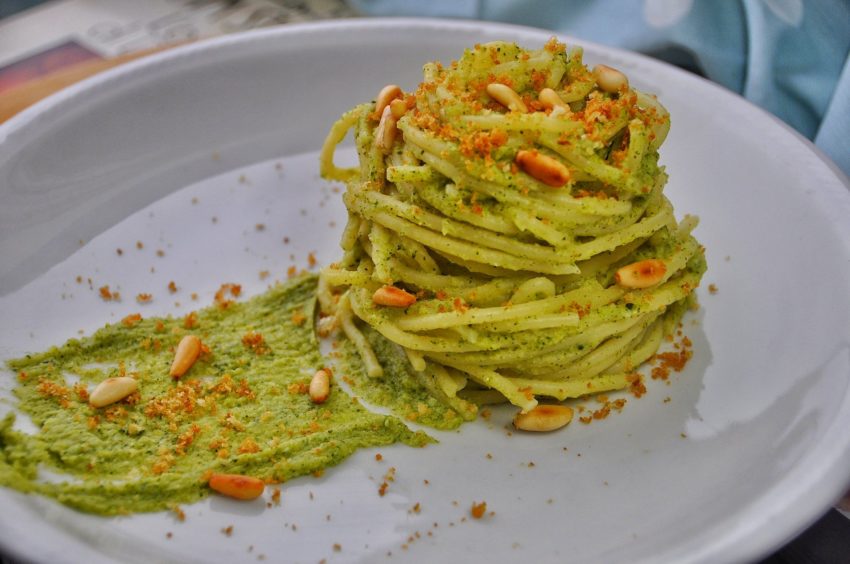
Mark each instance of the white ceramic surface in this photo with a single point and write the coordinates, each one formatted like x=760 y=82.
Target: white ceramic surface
x=752 y=446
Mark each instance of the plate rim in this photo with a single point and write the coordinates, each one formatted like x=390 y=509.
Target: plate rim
x=812 y=490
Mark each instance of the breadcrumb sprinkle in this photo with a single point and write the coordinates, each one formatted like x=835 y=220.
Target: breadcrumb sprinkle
x=478 y=510
x=107 y=295
x=221 y=299
x=131 y=319
x=255 y=342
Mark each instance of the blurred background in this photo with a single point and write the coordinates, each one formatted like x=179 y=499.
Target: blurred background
x=790 y=57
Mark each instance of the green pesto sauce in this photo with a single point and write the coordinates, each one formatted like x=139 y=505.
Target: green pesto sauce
x=238 y=410
x=401 y=389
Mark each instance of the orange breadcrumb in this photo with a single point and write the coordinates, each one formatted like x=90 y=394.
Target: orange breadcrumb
x=190 y=321
x=636 y=385
x=478 y=510
x=217 y=443
x=162 y=465
x=53 y=390
x=459 y=305
x=131 y=319
x=177 y=402
x=248 y=446
x=107 y=296
x=539 y=78
x=482 y=143
x=255 y=342
x=186 y=439
x=672 y=361
x=554 y=46
x=388 y=477
x=81 y=391
x=220 y=296
x=178 y=513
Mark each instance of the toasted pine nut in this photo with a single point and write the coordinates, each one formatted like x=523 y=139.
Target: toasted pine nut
x=387 y=94
x=506 y=96
x=610 y=79
x=641 y=274
x=544 y=418
x=188 y=351
x=550 y=99
x=237 y=486
x=320 y=386
x=386 y=131
x=111 y=390
x=544 y=168
x=393 y=297
x=398 y=107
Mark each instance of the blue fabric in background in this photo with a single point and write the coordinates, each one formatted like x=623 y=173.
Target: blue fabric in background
x=791 y=57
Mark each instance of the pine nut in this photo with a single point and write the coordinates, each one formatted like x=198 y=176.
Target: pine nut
x=188 y=351
x=398 y=107
x=387 y=94
x=237 y=486
x=386 y=131
x=112 y=390
x=393 y=297
x=641 y=274
x=610 y=79
x=506 y=96
x=544 y=418
x=550 y=100
x=544 y=168
x=320 y=386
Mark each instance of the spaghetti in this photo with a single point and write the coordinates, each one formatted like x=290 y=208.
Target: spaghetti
x=507 y=228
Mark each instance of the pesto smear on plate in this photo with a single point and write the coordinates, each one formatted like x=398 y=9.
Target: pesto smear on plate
x=243 y=408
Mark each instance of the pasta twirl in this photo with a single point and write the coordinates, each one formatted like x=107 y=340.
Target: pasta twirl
x=508 y=228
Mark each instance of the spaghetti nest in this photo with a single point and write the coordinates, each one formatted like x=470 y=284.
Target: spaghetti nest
x=507 y=228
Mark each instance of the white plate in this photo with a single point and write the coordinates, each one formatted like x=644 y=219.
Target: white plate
x=753 y=445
